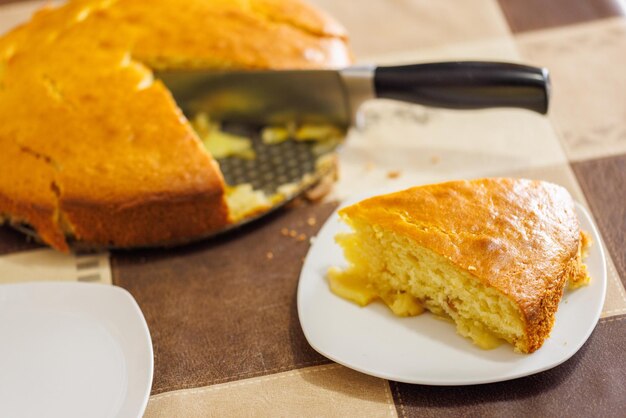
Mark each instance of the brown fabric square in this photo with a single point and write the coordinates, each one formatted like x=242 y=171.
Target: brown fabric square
x=12 y=241
x=603 y=181
x=526 y=15
x=225 y=309
x=591 y=383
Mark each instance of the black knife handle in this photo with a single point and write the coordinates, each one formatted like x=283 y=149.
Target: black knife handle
x=466 y=85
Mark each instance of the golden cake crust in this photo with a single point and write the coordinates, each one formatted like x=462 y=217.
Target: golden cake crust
x=520 y=237
x=95 y=148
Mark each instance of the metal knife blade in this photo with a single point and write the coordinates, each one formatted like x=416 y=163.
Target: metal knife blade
x=272 y=97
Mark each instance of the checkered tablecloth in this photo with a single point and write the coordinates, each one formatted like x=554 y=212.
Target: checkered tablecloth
x=222 y=314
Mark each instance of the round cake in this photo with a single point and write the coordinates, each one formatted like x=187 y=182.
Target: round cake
x=95 y=149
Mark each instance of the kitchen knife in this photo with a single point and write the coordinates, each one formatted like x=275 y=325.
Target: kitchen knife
x=334 y=96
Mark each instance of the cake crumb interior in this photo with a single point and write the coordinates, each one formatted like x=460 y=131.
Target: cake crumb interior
x=409 y=279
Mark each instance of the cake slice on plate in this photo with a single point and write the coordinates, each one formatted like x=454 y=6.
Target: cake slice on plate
x=492 y=255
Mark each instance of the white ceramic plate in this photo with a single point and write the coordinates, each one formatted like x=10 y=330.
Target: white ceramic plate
x=424 y=349
x=72 y=350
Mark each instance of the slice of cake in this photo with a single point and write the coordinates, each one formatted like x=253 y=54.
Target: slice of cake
x=492 y=255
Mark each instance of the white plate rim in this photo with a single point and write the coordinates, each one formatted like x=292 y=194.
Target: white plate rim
x=595 y=317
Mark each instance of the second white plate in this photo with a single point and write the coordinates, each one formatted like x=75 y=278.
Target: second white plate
x=424 y=349
x=72 y=350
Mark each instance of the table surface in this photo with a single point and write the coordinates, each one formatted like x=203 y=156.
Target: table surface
x=222 y=314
